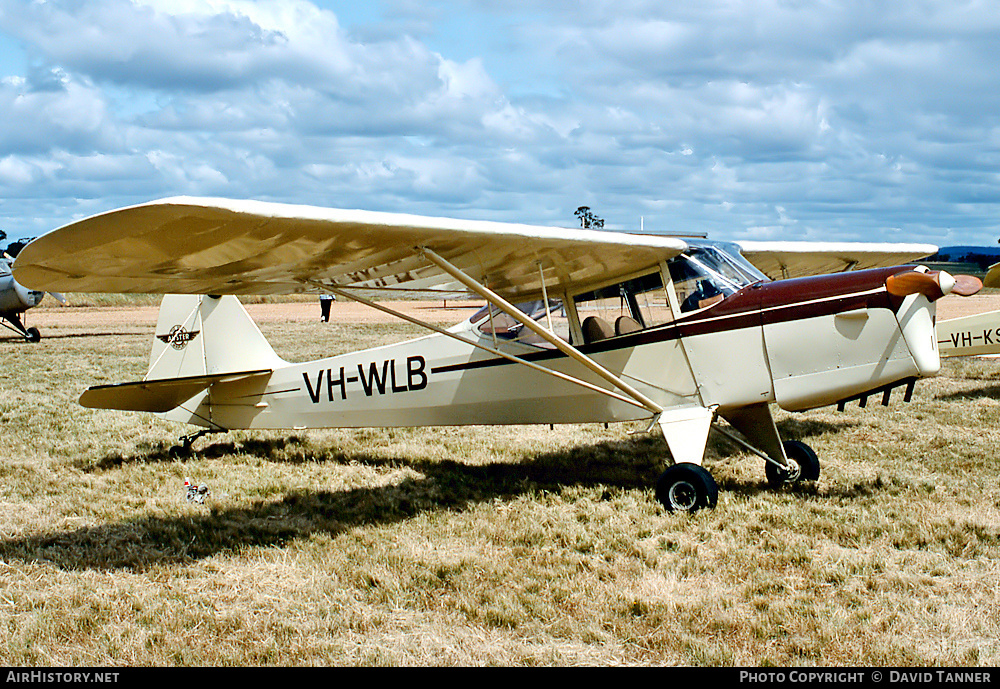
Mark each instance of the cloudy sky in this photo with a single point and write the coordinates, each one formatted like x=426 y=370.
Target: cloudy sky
x=764 y=119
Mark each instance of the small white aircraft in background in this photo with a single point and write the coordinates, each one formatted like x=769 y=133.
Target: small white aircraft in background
x=580 y=325
x=15 y=299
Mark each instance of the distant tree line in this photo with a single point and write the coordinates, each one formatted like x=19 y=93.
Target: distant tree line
x=14 y=248
x=982 y=256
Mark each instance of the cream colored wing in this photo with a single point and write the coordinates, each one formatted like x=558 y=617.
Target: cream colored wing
x=779 y=260
x=219 y=246
x=992 y=278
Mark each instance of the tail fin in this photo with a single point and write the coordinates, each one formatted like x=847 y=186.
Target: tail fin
x=199 y=335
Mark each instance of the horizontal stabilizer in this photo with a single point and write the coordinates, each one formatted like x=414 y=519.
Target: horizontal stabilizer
x=159 y=395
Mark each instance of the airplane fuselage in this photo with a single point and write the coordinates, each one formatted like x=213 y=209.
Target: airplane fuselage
x=799 y=343
x=14 y=297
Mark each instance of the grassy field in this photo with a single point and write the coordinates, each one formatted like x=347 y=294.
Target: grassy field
x=483 y=546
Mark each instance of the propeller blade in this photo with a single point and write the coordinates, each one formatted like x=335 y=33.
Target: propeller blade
x=914 y=282
x=59 y=298
x=933 y=284
x=966 y=285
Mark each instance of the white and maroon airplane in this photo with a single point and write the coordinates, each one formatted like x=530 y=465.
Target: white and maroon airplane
x=581 y=325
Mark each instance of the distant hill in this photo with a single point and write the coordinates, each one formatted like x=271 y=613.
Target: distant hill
x=980 y=256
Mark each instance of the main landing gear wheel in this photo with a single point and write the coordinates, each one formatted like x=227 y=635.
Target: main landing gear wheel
x=686 y=487
x=804 y=465
x=32 y=335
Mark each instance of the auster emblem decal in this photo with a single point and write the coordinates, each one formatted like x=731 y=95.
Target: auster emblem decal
x=178 y=337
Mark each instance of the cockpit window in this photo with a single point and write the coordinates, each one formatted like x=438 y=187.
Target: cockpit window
x=701 y=276
x=505 y=327
x=623 y=308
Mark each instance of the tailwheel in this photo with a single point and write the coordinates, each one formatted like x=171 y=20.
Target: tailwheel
x=686 y=487
x=803 y=465
x=184 y=449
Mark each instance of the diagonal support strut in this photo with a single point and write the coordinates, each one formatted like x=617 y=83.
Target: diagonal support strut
x=496 y=352
x=546 y=335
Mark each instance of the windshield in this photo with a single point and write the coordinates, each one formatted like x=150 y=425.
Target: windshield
x=705 y=275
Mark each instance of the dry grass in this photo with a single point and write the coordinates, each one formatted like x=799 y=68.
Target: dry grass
x=483 y=546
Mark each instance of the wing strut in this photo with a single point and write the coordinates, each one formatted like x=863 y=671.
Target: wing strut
x=496 y=352
x=546 y=335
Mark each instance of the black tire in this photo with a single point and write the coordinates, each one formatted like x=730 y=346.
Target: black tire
x=32 y=335
x=806 y=465
x=180 y=451
x=686 y=487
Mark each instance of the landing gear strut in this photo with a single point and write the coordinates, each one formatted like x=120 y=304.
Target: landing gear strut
x=689 y=487
x=12 y=322
x=801 y=462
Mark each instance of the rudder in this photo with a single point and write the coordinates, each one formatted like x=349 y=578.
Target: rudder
x=200 y=335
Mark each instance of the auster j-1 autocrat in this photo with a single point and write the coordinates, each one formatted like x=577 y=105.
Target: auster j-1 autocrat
x=580 y=326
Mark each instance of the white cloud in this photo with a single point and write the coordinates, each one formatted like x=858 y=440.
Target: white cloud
x=50 y=110
x=843 y=118
x=16 y=171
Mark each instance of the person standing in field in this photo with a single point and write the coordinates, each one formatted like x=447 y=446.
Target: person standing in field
x=325 y=300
